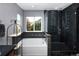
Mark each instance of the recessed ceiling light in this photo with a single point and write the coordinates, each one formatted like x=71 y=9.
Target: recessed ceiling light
x=33 y=6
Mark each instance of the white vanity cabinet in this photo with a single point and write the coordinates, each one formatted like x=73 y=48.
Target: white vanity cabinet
x=34 y=47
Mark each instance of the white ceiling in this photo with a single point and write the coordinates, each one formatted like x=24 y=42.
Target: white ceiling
x=43 y=6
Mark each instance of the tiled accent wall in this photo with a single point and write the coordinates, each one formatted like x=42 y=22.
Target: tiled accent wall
x=33 y=35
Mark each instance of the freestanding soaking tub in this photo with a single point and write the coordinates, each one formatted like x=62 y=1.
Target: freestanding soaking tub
x=34 y=47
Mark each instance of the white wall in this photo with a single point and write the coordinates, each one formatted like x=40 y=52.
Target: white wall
x=28 y=13
x=8 y=11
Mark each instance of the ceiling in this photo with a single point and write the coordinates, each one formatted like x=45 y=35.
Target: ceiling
x=43 y=6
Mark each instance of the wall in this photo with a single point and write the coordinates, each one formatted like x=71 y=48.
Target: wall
x=71 y=17
x=34 y=13
x=8 y=12
x=69 y=25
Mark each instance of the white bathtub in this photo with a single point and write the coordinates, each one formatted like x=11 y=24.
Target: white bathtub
x=34 y=47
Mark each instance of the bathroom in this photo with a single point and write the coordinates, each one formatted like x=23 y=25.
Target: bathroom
x=39 y=29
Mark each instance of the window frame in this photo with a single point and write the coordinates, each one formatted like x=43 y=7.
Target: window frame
x=34 y=24
x=18 y=22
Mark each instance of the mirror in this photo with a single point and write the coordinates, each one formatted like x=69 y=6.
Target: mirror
x=2 y=30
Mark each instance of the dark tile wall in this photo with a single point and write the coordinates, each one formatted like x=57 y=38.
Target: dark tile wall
x=69 y=26
x=53 y=24
x=33 y=35
x=54 y=28
x=62 y=25
x=77 y=29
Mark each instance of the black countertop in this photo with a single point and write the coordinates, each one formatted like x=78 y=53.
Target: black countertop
x=6 y=49
x=33 y=35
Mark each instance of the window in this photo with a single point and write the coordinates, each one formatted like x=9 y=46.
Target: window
x=18 y=28
x=33 y=23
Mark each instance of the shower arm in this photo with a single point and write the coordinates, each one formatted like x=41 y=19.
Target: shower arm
x=8 y=29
